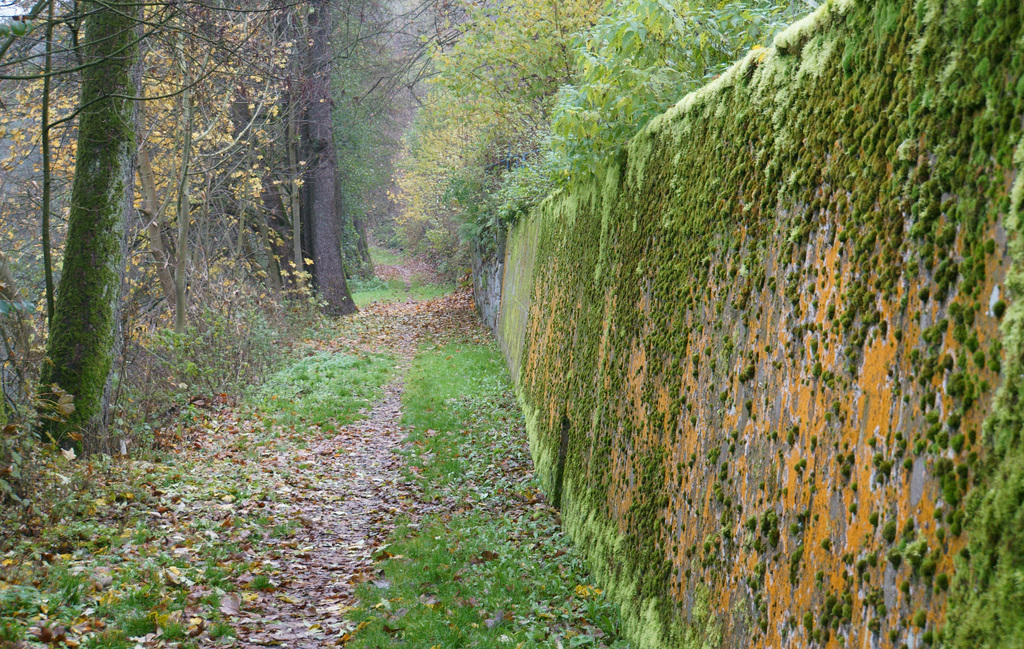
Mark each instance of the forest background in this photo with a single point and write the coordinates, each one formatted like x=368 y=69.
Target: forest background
x=271 y=144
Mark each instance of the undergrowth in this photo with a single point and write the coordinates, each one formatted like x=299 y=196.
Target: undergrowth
x=163 y=542
x=232 y=340
x=495 y=569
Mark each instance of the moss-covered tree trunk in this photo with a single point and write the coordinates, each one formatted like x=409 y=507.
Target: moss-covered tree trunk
x=81 y=343
x=322 y=172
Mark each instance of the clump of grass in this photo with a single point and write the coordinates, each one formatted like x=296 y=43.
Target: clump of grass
x=261 y=582
x=222 y=630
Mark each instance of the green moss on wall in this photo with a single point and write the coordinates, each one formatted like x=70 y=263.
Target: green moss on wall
x=988 y=605
x=770 y=333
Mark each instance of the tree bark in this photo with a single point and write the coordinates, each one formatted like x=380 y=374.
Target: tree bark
x=153 y=211
x=21 y=327
x=16 y=334
x=184 y=205
x=47 y=175
x=291 y=145
x=83 y=336
x=363 y=247
x=275 y=217
x=321 y=175
x=272 y=268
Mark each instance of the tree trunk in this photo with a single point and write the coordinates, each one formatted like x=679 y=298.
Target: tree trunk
x=47 y=175
x=83 y=335
x=153 y=211
x=18 y=348
x=291 y=145
x=321 y=177
x=272 y=268
x=363 y=247
x=275 y=215
x=184 y=201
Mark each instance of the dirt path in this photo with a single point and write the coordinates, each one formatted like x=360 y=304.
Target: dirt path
x=346 y=517
x=251 y=527
x=420 y=270
x=355 y=490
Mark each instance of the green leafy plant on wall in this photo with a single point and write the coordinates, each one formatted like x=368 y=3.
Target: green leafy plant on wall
x=642 y=56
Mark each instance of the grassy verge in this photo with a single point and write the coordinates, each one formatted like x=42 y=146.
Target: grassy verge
x=491 y=568
x=169 y=544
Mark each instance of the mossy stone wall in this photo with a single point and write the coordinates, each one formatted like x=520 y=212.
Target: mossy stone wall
x=516 y=285
x=758 y=351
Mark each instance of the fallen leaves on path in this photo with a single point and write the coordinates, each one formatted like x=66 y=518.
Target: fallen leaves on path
x=398 y=327
x=248 y=532
x=343 y=490
x=355 y=490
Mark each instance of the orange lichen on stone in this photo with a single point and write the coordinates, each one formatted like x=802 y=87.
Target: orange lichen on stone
x=774 y=362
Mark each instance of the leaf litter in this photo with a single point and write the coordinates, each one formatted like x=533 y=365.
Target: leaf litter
x=333 y=493
x=253 y=530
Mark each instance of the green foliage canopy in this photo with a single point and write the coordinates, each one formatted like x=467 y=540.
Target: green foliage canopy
x=644 y=55
x=534 y=93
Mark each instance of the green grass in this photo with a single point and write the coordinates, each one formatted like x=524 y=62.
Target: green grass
x=329 y=388
x=386 y=256
x=222 y=630
x=261 y=582
x=394 y=290
x=453 y=384
x=374 y=289
x=497 y=571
